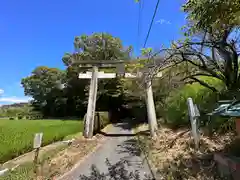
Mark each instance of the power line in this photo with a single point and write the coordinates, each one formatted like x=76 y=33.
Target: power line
x=150 y=27
x=141 y=3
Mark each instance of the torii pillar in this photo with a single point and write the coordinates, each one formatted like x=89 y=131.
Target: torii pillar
x=94 y=75
x=89 y=126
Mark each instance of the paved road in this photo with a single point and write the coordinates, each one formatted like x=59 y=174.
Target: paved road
x=119 y=147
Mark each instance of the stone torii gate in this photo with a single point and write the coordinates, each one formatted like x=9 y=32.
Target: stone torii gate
x=94 y=75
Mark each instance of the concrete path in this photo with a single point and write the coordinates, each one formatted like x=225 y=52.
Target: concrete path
x=119 y=148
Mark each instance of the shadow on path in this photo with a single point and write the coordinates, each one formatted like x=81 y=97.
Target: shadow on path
x=117 y=171
x=126 y=135
x=129 y=167
x=115 y=134
x=129 y=147
x=123 y=161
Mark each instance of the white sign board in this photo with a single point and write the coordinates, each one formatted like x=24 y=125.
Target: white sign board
x=193 y=114
x=37 y=140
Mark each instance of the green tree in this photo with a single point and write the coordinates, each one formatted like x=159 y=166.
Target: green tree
x=97 y=47
x=212 y=15
x=211 y=47
x=44 y=86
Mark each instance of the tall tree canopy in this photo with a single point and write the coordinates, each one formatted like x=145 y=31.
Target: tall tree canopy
x=44 y=84
x=212 y=15
x=98 y=46
x=211 y=47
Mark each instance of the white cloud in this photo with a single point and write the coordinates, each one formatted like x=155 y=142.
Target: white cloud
x=163 y=21
x=14 y=100
x=1 y=91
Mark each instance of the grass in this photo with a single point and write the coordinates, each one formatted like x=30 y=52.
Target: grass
x=54 y=162
x=26 y=171
x=16 y=137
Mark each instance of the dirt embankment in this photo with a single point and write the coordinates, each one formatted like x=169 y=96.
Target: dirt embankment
x=173 y=155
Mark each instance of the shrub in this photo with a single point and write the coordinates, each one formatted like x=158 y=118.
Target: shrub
x=20 y=117
x=176 y=111
x=35 y=115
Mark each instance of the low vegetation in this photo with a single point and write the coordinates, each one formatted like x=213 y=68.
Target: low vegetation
x=173 y=155
x=54 y=162
x=176 y=110
x=17 y=136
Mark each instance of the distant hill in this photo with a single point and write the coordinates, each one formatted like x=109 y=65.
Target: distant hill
x=13 y=105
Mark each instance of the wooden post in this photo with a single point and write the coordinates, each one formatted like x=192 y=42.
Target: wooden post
x=237 y=121
x=35 y=161
x=36 y=145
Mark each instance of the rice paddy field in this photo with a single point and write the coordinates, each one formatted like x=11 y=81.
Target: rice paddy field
x=16 y=136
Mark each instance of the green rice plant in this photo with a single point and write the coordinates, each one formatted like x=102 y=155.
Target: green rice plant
x=16 y=137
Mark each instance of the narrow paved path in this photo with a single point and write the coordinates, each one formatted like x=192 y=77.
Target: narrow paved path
x=120 y=146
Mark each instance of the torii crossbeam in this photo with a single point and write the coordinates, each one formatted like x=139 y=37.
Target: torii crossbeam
x=94 y=76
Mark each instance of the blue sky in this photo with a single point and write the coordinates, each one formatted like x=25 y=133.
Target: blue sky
x=39 y=32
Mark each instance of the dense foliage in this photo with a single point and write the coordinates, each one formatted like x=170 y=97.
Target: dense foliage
x=212 y=15
x=206 y=59
x=60 y=93
x=176 y=111
x=211 y=44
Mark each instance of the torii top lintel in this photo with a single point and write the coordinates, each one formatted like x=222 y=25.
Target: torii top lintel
x=114 y=63
x=102 y=63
